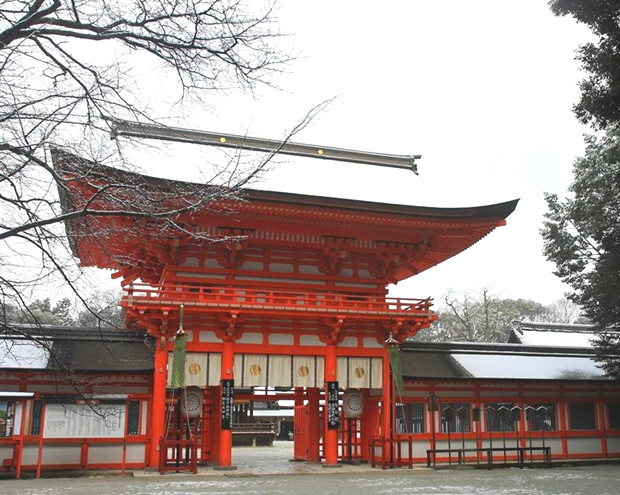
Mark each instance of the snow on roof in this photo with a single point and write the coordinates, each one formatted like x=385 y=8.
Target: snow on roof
x=556 y=339
x=16 y=395
x=23 y=354
x=526 y=367
x=544 y=334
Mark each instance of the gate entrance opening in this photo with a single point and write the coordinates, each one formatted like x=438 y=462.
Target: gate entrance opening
x=261 y=417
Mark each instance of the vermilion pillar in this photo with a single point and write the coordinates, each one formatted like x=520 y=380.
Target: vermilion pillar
x=387 y=405
x=330 y=437
x=313 y=425
x=228 y=362
x=158 y=402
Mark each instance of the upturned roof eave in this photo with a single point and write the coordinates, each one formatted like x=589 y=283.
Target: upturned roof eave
x=80 y=165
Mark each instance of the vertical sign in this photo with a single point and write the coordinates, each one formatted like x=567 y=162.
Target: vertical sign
x=333 y=412
x=228 y=401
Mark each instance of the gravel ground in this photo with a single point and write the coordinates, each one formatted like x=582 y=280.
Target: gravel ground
x=267 y=470
x=595 y=480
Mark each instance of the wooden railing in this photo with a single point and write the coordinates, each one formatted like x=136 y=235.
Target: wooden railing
x=519 y=455
x=261 y=300
x=397 y=452
x=178 y=456
x=391 y=452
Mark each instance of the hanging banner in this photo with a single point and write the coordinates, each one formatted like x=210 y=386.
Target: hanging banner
x=333 y=410
x=178 y=355
x=228 y=402
x=397 y=372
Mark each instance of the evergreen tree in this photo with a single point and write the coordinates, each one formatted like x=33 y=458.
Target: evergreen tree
x=582 y=237
x=600 y=91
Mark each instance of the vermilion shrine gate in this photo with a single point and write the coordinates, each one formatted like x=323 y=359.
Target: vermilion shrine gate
x=280 y=291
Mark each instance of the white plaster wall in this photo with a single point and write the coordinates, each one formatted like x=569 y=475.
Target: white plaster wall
x=6 y=452
x=613 y=445
x=60 y=454
x=419 y=448
x=108 y=454
x=136 y=452
x=586 y=445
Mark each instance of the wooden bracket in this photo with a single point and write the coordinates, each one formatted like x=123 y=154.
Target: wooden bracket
x=230 y=330
x=333 y=330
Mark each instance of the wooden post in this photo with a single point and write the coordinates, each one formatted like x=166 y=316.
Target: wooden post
x=225 y=444
x=84 y=454
x=600 y=407
x=562 y=405
x=366 y=428
x=387 y=408
x=125 y=427
x=313 y=425
x=158 y=401
x=22 y=433
x=40 y=450
x=330 y=436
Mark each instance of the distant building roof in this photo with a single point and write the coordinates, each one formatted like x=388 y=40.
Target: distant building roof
x=111 y=350
x=79 y=349
x=425 y=360
x=553 y=334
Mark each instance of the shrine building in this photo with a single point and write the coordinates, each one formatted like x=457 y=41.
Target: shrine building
x=280 y=292
x=240 y=300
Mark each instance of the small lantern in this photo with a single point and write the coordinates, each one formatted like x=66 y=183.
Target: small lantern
x=432 y=403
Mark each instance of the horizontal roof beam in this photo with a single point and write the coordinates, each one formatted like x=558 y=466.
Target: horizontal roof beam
x=155 y=131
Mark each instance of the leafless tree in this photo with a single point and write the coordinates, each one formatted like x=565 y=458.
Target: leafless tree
x=564 y=311
x=66 y=69
x=480 y=316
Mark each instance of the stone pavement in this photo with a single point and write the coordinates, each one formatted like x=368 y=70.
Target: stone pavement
x=267 y=470
x=261 y=461
x=349 y=480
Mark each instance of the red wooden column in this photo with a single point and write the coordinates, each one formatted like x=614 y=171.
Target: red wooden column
x=600 y=406
x=225 y=444
x=158 y=402
x=313 y=424
x=562 y=406
x=366 y=427
x=387 y=407
x=330 y=437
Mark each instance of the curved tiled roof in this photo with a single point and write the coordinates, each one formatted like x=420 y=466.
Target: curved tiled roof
x=441 y=232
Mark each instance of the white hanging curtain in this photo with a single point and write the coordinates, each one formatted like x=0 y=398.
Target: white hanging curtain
x=257 y=370
x=359 y=372
x=341 y=372
x=280 y=371
x=215 y=369
x=254 y=370
x=320 y=372
x=196 y=369
x=304 y=371
x=376 y=374
x=202 y=369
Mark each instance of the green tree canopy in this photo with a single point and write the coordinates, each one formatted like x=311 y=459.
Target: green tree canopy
x=582 y=235
x=600 y=90
x=38 y=312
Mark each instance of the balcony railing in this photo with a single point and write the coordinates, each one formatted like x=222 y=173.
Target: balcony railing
x=217 y=298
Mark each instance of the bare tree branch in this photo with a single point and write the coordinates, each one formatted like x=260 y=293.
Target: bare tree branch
x=66 y=67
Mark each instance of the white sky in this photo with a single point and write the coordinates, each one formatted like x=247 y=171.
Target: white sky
x=483 y=90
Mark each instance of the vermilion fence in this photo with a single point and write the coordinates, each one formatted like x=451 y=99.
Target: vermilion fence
x=261 y=300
